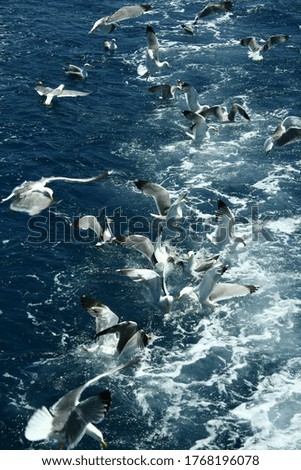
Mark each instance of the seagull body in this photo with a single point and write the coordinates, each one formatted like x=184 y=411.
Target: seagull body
x=200 y=129
x=59 y=92
x=140 y=243
x=222 y=115
x=153 y=63
x=191 y=97
x=104 y=317
x=154 y=283
x=224 y=232
x=108 y=23
x=103 y=26
x=188 y=29
x=69 y=419
x=288 y=131
x=197 y=263
x=34 y=196
x=78 y=72
x=129 y=339
x=209 y=290
x=165 y=91
x=166 y=209
x=221 y=7
x=90 y=222
x=110 y=45
x=255 y=49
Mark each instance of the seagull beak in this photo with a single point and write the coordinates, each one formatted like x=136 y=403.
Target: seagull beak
x=104 y=444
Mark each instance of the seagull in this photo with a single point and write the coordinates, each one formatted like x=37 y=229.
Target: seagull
x=224 y=232
x=34 y=196
x=288 y=131
x=127 y=13
x=165 y=91
x=124 y=13
x=129 y=339
x=256 y=49
x=200 y=129
x=153 y=63
x=103 y=26
x=209 y=290
x=155 y=284
x=110 y=45
x=166 y=209
x=104 y=317
x=197 y=263
x=90 y=222
x=188 y=29
x=58 y=92
x=78 y=72
x=191 y=97
x=222 y=115
x=141 y=243
x=221 y=7
x=69 y=419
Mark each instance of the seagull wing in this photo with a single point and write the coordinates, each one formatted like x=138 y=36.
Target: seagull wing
x=291 y=135
x=141 y=243
x=152 y=42
x=150 y=278
x=222 y=291
x=104 y=317
x=43 y=90
x=93 y=409
x=272 y=40
x=102 y=175
x=160 y=194
x=127 y=12
x=72 y=93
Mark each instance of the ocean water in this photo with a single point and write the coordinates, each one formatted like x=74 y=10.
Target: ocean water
x=227 y=378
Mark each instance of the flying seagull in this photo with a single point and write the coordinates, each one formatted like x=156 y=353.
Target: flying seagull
x=124 y=13
x=153 y=63
x=220 y=7
x=224 y=232
x=191 y=97
x=59 y=92
x=34 y=196
x=69 y=419
x=166 y=208
x=200 y=129
x=209 y=290
x=140 y=243
x=110 y=45
x=255 y=49
x=129 y=339
x=90 y=222
x=77 y=72
x=165 y=91
x=222 y=115
x=287 y=132
x=155 y=284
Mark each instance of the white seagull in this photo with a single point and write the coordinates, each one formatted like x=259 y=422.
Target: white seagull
x=123 y=13
x=209 y=290
x=130 y=341
x=287 y=132
x=191 y=97
x=165 y=91
x=200 y=129
x=153 y=63
x=78 y=72
x=59 y=92
x=90 y=222
x=69 y=419
x=110 y=45
x=221 y=7
x=224 y=233
x=255 y=49
x=155 y=283
x=222 y=115
x=167 y=210
x=34 y=196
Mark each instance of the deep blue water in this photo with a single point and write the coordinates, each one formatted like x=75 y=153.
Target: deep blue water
x=222 y=379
